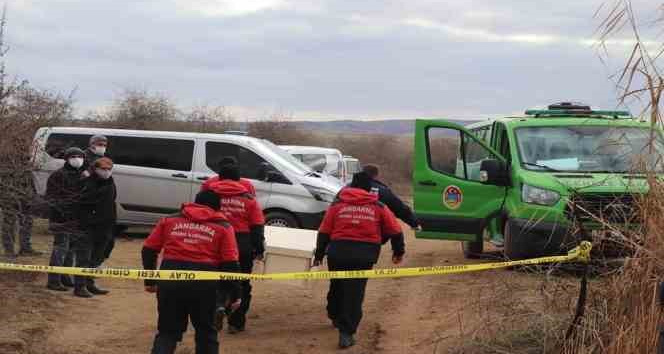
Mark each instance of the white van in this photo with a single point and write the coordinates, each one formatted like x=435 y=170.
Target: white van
x=320 y=159
x=155 y=172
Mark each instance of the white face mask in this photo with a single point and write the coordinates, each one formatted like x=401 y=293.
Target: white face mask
x=99 y=150
x=103 y=174
x=75 y=162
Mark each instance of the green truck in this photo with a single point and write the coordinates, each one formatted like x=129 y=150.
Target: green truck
x=527 y=182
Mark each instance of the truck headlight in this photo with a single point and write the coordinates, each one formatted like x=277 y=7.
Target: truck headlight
x=320 y=194
x=540 y=196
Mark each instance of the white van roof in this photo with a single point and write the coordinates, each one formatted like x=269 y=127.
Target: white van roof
x=150 y=133
x=310 y=149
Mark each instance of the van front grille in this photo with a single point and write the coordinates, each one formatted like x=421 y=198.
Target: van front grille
x=610 y=208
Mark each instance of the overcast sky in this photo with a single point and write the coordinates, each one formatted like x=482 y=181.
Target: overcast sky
x=317 y=59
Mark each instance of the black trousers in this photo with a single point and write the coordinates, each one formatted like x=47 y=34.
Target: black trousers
x=239 y=317
x=65 y=246
x=345 y=297
x=101 y=236
x=179 y=302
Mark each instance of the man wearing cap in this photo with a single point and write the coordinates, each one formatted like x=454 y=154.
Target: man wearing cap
x=225 y=163
x=200 y=238
x=351 y=234
x=96 y=149
x=63 y=194
x=98 y=214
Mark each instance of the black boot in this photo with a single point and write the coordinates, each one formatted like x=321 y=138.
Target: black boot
x=56 y=287
x=93 y=289
x=66 y=281
x=346 y=340
x=164 y=345
x=82 y=291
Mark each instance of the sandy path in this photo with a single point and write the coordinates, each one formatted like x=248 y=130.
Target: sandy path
x=401 y=315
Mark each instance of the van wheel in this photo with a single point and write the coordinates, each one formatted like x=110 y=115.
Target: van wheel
x=280 y=219
x=472 y=249
x=516 y=246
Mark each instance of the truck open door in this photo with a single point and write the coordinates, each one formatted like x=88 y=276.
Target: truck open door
x=459 y=182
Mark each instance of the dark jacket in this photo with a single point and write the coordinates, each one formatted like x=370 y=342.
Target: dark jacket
x=398 y=207
x=98 y=201
x=64 y=189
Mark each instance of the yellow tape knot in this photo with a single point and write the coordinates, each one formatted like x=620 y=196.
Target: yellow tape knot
x=582 y=252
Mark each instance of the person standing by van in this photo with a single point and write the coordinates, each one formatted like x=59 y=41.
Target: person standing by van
x=352 y=232
x=64 y=189
x=98 y=213
x=246 y=216
x=225 y=163
x=17 y=201
x=96 y=150
x=199 y=238
x=386 y=196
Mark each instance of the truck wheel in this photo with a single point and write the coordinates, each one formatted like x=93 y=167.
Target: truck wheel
x=516 y=245
x=472 y=249
x=280 y=219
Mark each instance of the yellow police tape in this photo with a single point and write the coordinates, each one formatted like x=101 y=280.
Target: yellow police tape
x=580 y=253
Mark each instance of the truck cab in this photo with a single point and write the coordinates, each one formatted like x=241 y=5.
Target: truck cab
x=533 y=178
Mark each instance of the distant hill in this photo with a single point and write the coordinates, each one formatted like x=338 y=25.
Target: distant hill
x=386 y=127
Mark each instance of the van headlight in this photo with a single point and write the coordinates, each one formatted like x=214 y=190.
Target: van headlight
x=321 y=194
x=540 y=196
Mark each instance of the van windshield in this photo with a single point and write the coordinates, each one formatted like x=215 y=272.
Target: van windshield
x=298 y=166
x=329 y=163
x=598 y=149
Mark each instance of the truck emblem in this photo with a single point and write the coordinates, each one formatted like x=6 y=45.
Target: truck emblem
x=452 y=197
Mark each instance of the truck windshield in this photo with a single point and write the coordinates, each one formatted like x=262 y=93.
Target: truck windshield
x=598 y=149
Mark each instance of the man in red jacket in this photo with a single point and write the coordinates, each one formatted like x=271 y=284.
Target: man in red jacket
x=200 y=238
x=232 y=162
x=246 y=216
x=353 y=230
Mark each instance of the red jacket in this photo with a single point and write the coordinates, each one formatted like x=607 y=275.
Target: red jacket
x=198 y=235
x=206 y=186
x=357 y=215
x=239 y=205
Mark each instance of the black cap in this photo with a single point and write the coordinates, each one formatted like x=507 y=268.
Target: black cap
x=361 y=180
x=208 y=198
x=74 y=151
x=229 y=168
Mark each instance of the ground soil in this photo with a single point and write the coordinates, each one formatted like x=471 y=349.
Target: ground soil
x=409 y=315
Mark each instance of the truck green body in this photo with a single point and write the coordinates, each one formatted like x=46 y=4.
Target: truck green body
x=549 y=160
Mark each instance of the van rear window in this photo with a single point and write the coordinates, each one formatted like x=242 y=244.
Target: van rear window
x=168 y=154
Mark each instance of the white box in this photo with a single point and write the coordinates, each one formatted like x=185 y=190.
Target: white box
x=288 y=250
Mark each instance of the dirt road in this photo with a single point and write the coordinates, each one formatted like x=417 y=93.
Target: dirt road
x=414 y=315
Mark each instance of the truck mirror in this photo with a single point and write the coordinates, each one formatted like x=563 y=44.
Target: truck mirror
x=494 y=172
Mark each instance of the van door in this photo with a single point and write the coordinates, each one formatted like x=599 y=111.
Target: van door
x=153 y=175
x=450 y=200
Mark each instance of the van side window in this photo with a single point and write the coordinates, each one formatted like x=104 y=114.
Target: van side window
x=250 y=162
x=167 y=154
x=57 y=143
